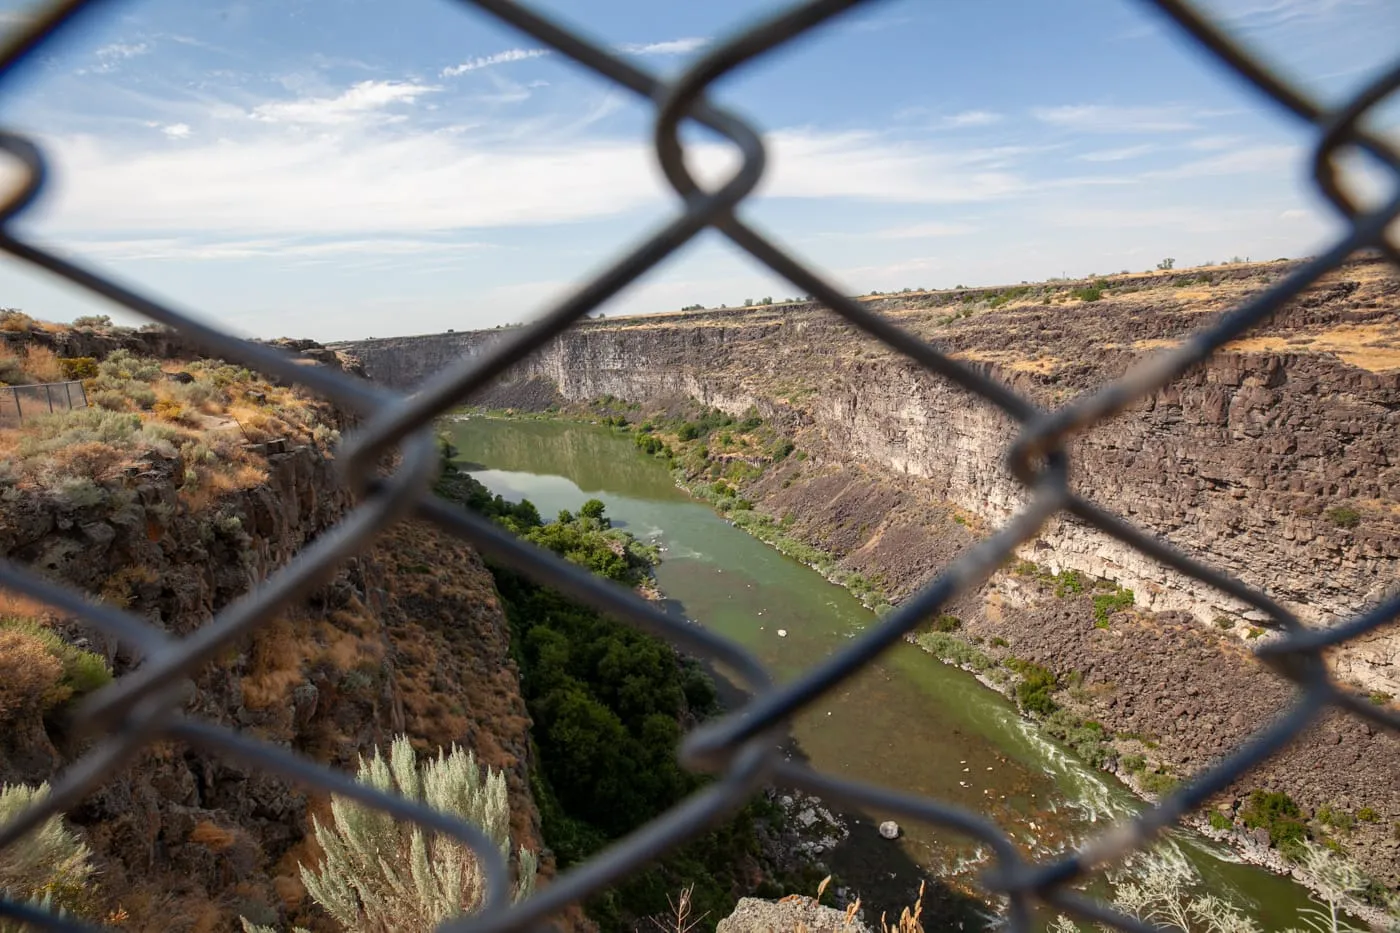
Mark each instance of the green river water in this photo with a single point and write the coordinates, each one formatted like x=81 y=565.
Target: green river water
x=908 y=721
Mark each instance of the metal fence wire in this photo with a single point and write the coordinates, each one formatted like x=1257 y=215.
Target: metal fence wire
x=44 y=398
x=143 y=706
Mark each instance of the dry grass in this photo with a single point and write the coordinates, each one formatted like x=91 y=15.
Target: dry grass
x=275 y=664
x=13 y=604
x=29 y=674
x=140 y=415
x=1372 y=347
x=1011 y=360
x=212 y=837
x=42 y=365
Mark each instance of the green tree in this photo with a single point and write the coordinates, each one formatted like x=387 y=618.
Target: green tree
x=593 y=509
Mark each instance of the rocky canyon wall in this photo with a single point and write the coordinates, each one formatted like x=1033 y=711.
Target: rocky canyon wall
x=1243 y=463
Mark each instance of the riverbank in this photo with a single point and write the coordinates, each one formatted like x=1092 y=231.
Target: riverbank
x=727 y=464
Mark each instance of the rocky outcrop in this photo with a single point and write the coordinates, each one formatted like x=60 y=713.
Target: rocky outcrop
x=387 y=647
x=753 y=915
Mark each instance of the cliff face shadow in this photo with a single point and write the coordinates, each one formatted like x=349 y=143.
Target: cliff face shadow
x=866 y=865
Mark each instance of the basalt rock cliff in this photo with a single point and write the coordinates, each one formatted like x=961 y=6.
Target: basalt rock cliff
x=1277 y=461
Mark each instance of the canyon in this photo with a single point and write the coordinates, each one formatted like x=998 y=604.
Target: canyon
x=1274 y=461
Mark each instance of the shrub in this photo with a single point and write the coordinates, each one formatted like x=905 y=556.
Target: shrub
x=92 y=320
x=1380 y=697
x=29 y=674
x=170 y=410
x=947 y=623
x=1087 y=293
x=79 y=672
x=954 y=651
x=1069 y=583
x=78 y=492
x=999 y=642
x=15 y=321
x=1336 y=818
x=1157 y=782
x=1277 y=813
x=379 y=873
x=41 y=365
x=1220 y=821
x=1344 y=516
x=1036 y=685
x=78 y=367
x=1106 y=604
x=1134 y=763
x=688 y=432
x=49 y=865
x=781 y=448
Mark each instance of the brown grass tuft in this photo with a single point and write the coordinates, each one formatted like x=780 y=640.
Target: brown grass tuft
x=42 y=365
x=212 y=837
x=13 y=604
x=29 y=674
x=274 y=666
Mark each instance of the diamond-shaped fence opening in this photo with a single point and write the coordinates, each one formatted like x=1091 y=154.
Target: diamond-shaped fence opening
x=143 y=706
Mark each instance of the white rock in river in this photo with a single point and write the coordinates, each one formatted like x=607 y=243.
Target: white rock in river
x=889 y=829
x=782 y=633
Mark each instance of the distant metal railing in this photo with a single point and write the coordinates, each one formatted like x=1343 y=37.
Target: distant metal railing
x=42 y=398
x=144 y=705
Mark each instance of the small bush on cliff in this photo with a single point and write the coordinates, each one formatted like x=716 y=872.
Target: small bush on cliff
x=41 y=663
x=947 y=623
x=50 y=866
x=1280 y=816
x=379 y=873
x=1036 y=685
x=950 y=649
x=1107 y=604
x=1344 y=516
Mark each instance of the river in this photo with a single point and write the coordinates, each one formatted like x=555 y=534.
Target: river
x=908 y=721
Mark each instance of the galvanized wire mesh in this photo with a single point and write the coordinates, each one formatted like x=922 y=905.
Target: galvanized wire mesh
x=43 y=398
x=142 y=706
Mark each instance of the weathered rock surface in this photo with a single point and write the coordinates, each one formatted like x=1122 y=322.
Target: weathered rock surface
x=753 y=915
x=189 y=839
x=1238 y=462
x=1242 y=462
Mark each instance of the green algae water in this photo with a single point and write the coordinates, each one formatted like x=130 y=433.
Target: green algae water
x=907 y=721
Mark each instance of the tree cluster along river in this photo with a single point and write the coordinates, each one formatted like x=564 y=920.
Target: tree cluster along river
x=907 y=721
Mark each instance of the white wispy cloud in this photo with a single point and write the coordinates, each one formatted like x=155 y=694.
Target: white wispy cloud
x=265 y=178
x=1214 y=143
x=1102 y=118
x=177 y=130
x=1272 y=13
x=109 y=57
x=1244 y=161
x=972 y=118
x=923 y=231
x=488 y=61
x=670 y=47
x=357 y=102
x=198 y=249
x=1117 y=155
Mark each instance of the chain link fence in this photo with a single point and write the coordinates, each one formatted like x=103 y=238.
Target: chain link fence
x=20 y=402
x=143 y=706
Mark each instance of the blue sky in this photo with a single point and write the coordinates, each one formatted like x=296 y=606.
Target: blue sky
x=350 y=168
